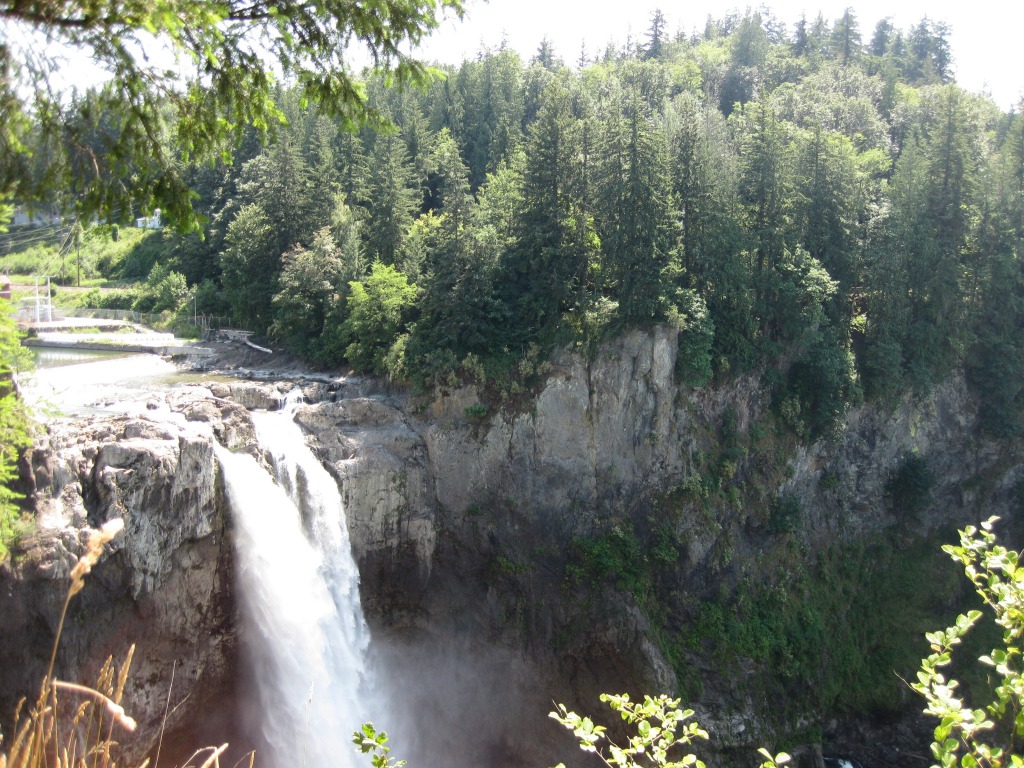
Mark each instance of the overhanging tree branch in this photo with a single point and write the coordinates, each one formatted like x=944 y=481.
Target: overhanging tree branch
x=59 y=142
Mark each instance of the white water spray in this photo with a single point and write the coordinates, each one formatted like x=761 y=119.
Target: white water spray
x=299 y=591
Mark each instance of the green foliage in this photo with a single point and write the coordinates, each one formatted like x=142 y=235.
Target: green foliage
x=633 y=195
x=829 y=636
x=164 y=290
x=696 y=338
x=988 y=736
x=310 y=283
x=825 y=380
x=616 y=555
x=131 y=257
x=370 y=741
x=476 y=411
x=124 y=298
x=910 y=487
x=116 y=148
x=659 y=733
x=660 y=727
x=854 y=221
x=378 y=309
x=785 y=515
x=555 y=233
x=15 y=433
x=249 y=263
x=392 y=199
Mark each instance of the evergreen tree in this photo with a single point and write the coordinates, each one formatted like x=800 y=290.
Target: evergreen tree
x=250 y=266
x=748 y=52
x=546 y=56
x=709 y=256
x=504 y=73
x=392 y=199
x=547 y=271
x=278 y=181
x=830 y=202
x=459 y=314
x=324 y=179
x=766 y=155
x=635 y=218
x=933 y=188
x=879 y=45
x=656 y=36
x=354 y=165
x=846 y=42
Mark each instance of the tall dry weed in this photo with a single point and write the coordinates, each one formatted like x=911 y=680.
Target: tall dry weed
x=57 y=732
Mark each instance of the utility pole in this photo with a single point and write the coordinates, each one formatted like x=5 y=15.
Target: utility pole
x=78 y=245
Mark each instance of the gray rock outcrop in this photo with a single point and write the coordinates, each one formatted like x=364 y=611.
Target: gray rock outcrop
x=463 y=520
x=163 y=584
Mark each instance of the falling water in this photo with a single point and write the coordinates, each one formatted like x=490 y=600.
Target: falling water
x=299 y=590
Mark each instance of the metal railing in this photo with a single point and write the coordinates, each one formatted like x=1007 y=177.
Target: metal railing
x=144 y=318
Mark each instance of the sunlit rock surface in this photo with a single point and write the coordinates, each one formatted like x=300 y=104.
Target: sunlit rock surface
x=462 y=516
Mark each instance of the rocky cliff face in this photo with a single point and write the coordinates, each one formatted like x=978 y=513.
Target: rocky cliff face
x=603 y=436
x=467 y=529
x=464 y=525
x=164 y=583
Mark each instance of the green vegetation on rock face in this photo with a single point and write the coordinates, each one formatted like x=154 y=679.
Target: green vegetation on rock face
x=828 y=632
x=833 y=636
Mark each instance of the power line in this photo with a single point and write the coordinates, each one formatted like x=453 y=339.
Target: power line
x=50 y=237
x=18 y=239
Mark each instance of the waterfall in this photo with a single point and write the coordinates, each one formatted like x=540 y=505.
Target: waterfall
x=298 y=588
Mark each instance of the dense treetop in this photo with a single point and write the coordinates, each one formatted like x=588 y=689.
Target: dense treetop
x=818 y=201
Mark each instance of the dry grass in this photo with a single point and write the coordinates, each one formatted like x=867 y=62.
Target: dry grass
x=79 y=727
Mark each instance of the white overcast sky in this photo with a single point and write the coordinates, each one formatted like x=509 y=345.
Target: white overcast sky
x=987 y=37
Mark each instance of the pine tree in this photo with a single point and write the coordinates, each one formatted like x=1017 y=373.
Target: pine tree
x=278 y=181
x=656 y=36
x=546 y=273
x=324 y=179
x=846 y=42
x=830 y=201
x=635 y=211
x=250 y=265
x=392 y=199
x=459 y=314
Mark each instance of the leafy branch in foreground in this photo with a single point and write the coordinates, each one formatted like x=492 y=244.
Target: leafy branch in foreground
x=989 y=736
x=660 y=727
x=370 y=741
x=185 y=77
